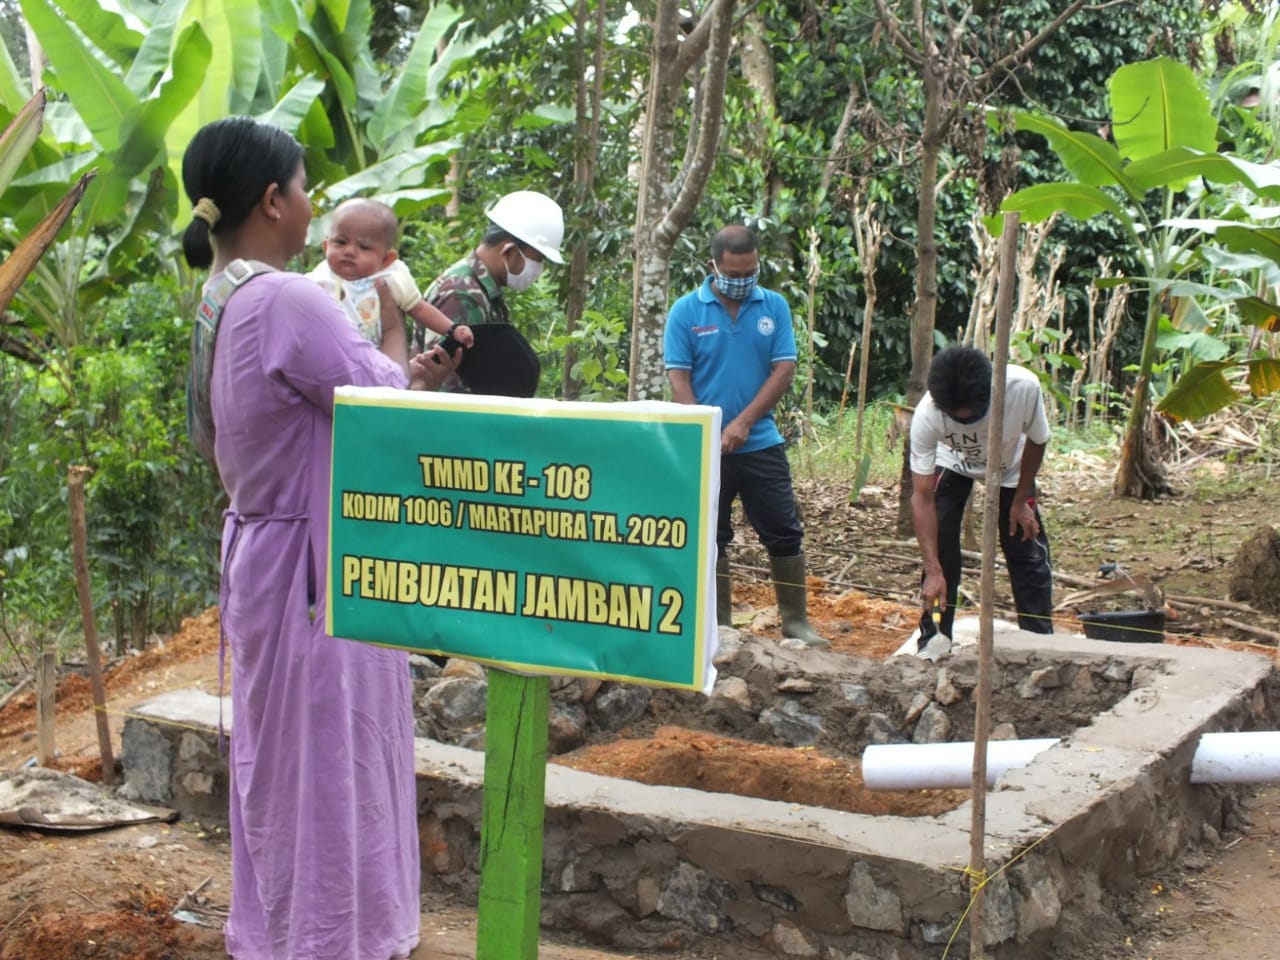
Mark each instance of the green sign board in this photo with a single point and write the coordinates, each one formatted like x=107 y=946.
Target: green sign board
x=536 y=535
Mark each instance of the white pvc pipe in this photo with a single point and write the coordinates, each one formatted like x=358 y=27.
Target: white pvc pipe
x=935 y=766
x=1236 y=758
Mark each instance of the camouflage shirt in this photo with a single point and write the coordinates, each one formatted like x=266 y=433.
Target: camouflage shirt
x=466 y=293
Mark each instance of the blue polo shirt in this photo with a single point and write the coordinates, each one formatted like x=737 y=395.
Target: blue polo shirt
x=730 y=359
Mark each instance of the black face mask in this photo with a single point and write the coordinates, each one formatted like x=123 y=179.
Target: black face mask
x=966 y=421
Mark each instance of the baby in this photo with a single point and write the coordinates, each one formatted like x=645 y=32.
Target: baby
x=359 y=250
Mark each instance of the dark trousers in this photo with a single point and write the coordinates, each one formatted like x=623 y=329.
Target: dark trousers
x=762 y=479
x=1030 y=572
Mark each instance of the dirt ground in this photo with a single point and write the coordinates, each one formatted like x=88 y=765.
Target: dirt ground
x=111 y=894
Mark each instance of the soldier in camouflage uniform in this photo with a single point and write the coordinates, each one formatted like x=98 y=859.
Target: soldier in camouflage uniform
x=526 y=228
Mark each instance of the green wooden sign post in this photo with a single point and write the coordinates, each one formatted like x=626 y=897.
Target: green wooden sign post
x=536 y=537
x=515 y=772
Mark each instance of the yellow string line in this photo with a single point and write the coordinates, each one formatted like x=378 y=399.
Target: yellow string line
x=983 y=878
x=150 y=718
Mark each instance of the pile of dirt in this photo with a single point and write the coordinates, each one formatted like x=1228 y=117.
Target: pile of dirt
x=196 y=637
x=139 y=928
x=1255 y=570
x=676 y=757
x=187 y=657
x=855 y=622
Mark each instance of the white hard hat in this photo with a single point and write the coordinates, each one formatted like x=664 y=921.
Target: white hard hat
x=532 y=218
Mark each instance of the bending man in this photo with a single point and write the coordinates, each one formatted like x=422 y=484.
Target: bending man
x=948 y=452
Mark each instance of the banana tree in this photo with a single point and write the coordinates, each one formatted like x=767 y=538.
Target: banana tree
x=1251 y=252
x=365 y=131
x=118 y=94
x=137 y=81
x=17 y=139
x=1147 y=180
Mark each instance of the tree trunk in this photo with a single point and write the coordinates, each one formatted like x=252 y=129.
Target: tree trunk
x=139 y=616
x=760 y=72
x=652 y=263
x=586 y=151
x=1140 y=474
x=662 y=209
x=926 y=306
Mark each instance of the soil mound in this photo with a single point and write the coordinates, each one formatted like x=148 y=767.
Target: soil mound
x=676 y=757
x=1255 y=571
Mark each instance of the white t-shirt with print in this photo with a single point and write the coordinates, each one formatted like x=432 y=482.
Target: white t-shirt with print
x=939 y=441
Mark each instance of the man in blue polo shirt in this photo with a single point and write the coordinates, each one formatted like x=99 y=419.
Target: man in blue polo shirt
x=729 y=344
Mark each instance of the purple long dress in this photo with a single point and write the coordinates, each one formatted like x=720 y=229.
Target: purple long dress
x=324 y=842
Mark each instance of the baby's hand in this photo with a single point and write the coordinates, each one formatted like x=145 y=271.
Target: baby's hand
x=462 y=333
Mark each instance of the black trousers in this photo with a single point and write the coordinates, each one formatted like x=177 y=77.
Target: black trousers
x=762 y=478
x=1030 y=572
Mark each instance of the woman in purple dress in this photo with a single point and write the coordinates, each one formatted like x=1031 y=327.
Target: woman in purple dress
x=324 y=842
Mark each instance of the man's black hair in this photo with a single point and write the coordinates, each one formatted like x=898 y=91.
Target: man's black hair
x=960 y=379
x=495 y=236
x=733 y=239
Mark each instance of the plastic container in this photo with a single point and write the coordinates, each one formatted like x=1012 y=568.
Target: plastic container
x=1126 y=626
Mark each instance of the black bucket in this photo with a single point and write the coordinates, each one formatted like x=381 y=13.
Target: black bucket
x=1127 y=626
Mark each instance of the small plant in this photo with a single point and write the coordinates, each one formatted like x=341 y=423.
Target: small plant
x=832 y=452
x=599 y=342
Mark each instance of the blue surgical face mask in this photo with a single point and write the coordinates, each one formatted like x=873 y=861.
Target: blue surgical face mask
x=736 y=288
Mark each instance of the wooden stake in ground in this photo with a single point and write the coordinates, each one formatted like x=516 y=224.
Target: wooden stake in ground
x=80 y=559
x=990 y=528
x=46 y=685
x=515 y=777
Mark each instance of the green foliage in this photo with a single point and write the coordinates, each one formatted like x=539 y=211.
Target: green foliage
x=833 y=452
x=599 y=342
x=384 y=96
x=107 y=312
x=771 y=166
x=1165 y=140
x=150 y=506
x=1045 y=350
x=35 y=562
x=1068 y=81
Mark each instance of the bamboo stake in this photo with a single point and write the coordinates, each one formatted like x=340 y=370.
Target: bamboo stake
x=986 y=644
x=80 y=559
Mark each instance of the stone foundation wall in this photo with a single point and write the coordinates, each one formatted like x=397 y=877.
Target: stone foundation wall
x=171 y=754
x=803 y=698
x=1068 y=836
